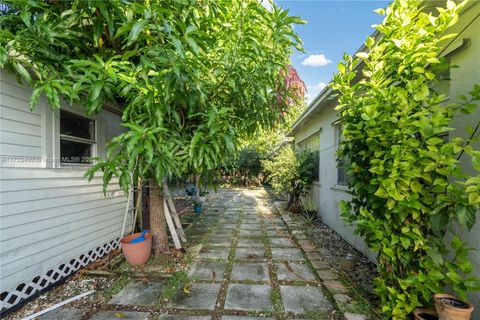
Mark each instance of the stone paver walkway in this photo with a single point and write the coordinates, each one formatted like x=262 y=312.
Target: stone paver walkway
x=253 y=264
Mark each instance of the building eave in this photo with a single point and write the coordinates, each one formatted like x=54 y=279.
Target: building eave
x=324 y=95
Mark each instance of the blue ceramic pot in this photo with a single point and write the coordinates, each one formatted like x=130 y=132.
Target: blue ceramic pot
x=197 y=208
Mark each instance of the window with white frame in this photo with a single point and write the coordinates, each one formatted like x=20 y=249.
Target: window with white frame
x=342 y=163
x=77 y=138
x=311 y=143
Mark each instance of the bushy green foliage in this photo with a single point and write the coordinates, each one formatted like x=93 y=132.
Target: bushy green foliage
x=248 y=163
x=307 y=169
x=292 y=173
x=281 y=169
x=407 y=180
x=192 y=77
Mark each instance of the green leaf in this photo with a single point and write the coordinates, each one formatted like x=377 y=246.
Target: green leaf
x=362 y=55
x=23 y=72
x=439 y=222
x=95 y=90
x=434 y=141
x=465 y=215
x=474 y=198
x=52 y=96
x=370 y=42
x=454 y=277
x=177 y=44
x=416 y=186
x=192 y=44
x=405 y=242
x=26 y=16
x=436 y=275
x=436 y=257
x=135 y=31
x=34 y=98
x=3 y=56
x=476 y=161
x=418 y=70
x=422 y=94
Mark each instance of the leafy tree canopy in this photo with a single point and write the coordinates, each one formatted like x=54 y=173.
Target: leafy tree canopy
x=192 y=77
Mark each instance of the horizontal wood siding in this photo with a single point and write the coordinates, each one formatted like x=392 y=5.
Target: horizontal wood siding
x=48 y=215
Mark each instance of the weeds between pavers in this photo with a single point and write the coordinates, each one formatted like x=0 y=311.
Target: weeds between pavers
x=115 y=287
x=322 y=315
x=222 y=294
x=178 y=281
x=276 y=299
x=275 y=295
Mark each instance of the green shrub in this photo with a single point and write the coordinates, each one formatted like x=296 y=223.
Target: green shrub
x=248 y=164
x=406 y=178
x=292 y=173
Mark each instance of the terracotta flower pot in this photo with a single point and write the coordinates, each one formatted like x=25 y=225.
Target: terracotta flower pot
x=452 y=308
x=136 y=253
x=425 y=314
x=348 y=262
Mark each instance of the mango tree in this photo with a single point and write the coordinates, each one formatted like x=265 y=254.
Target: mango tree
x=192 y=77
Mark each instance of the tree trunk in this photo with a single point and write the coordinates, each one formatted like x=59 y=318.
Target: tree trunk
x=157 y=220
x=197 y=188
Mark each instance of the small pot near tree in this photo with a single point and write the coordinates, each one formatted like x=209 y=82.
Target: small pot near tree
x=197 y=206
x=452 y=308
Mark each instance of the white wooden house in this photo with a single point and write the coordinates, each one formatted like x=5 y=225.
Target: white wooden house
x=52 y=221
x=318 y=128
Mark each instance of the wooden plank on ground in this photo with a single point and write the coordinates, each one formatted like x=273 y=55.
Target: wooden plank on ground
x=173 y=210
x=171 y=227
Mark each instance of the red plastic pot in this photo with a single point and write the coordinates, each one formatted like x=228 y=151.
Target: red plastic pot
x=136 y=253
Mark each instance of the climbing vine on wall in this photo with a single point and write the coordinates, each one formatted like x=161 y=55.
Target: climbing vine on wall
x=408 y=185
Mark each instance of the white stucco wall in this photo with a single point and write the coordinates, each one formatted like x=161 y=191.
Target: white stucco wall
x=326 y=193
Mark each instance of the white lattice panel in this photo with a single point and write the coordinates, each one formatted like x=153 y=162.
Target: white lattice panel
x=23 y=291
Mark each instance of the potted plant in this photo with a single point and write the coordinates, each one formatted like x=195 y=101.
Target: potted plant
x=425 y=314
x=452 y=308
x=197 y=206
x=191 y=191
x=137 y=247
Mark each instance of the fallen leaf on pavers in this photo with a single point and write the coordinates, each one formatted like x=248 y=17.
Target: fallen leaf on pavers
x=170 y=270
x=214 y=275
x=289 y=268
x=120 y=315
x=177 y=253
x=186 y=290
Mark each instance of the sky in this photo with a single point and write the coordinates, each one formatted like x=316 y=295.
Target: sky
x=333 y=27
